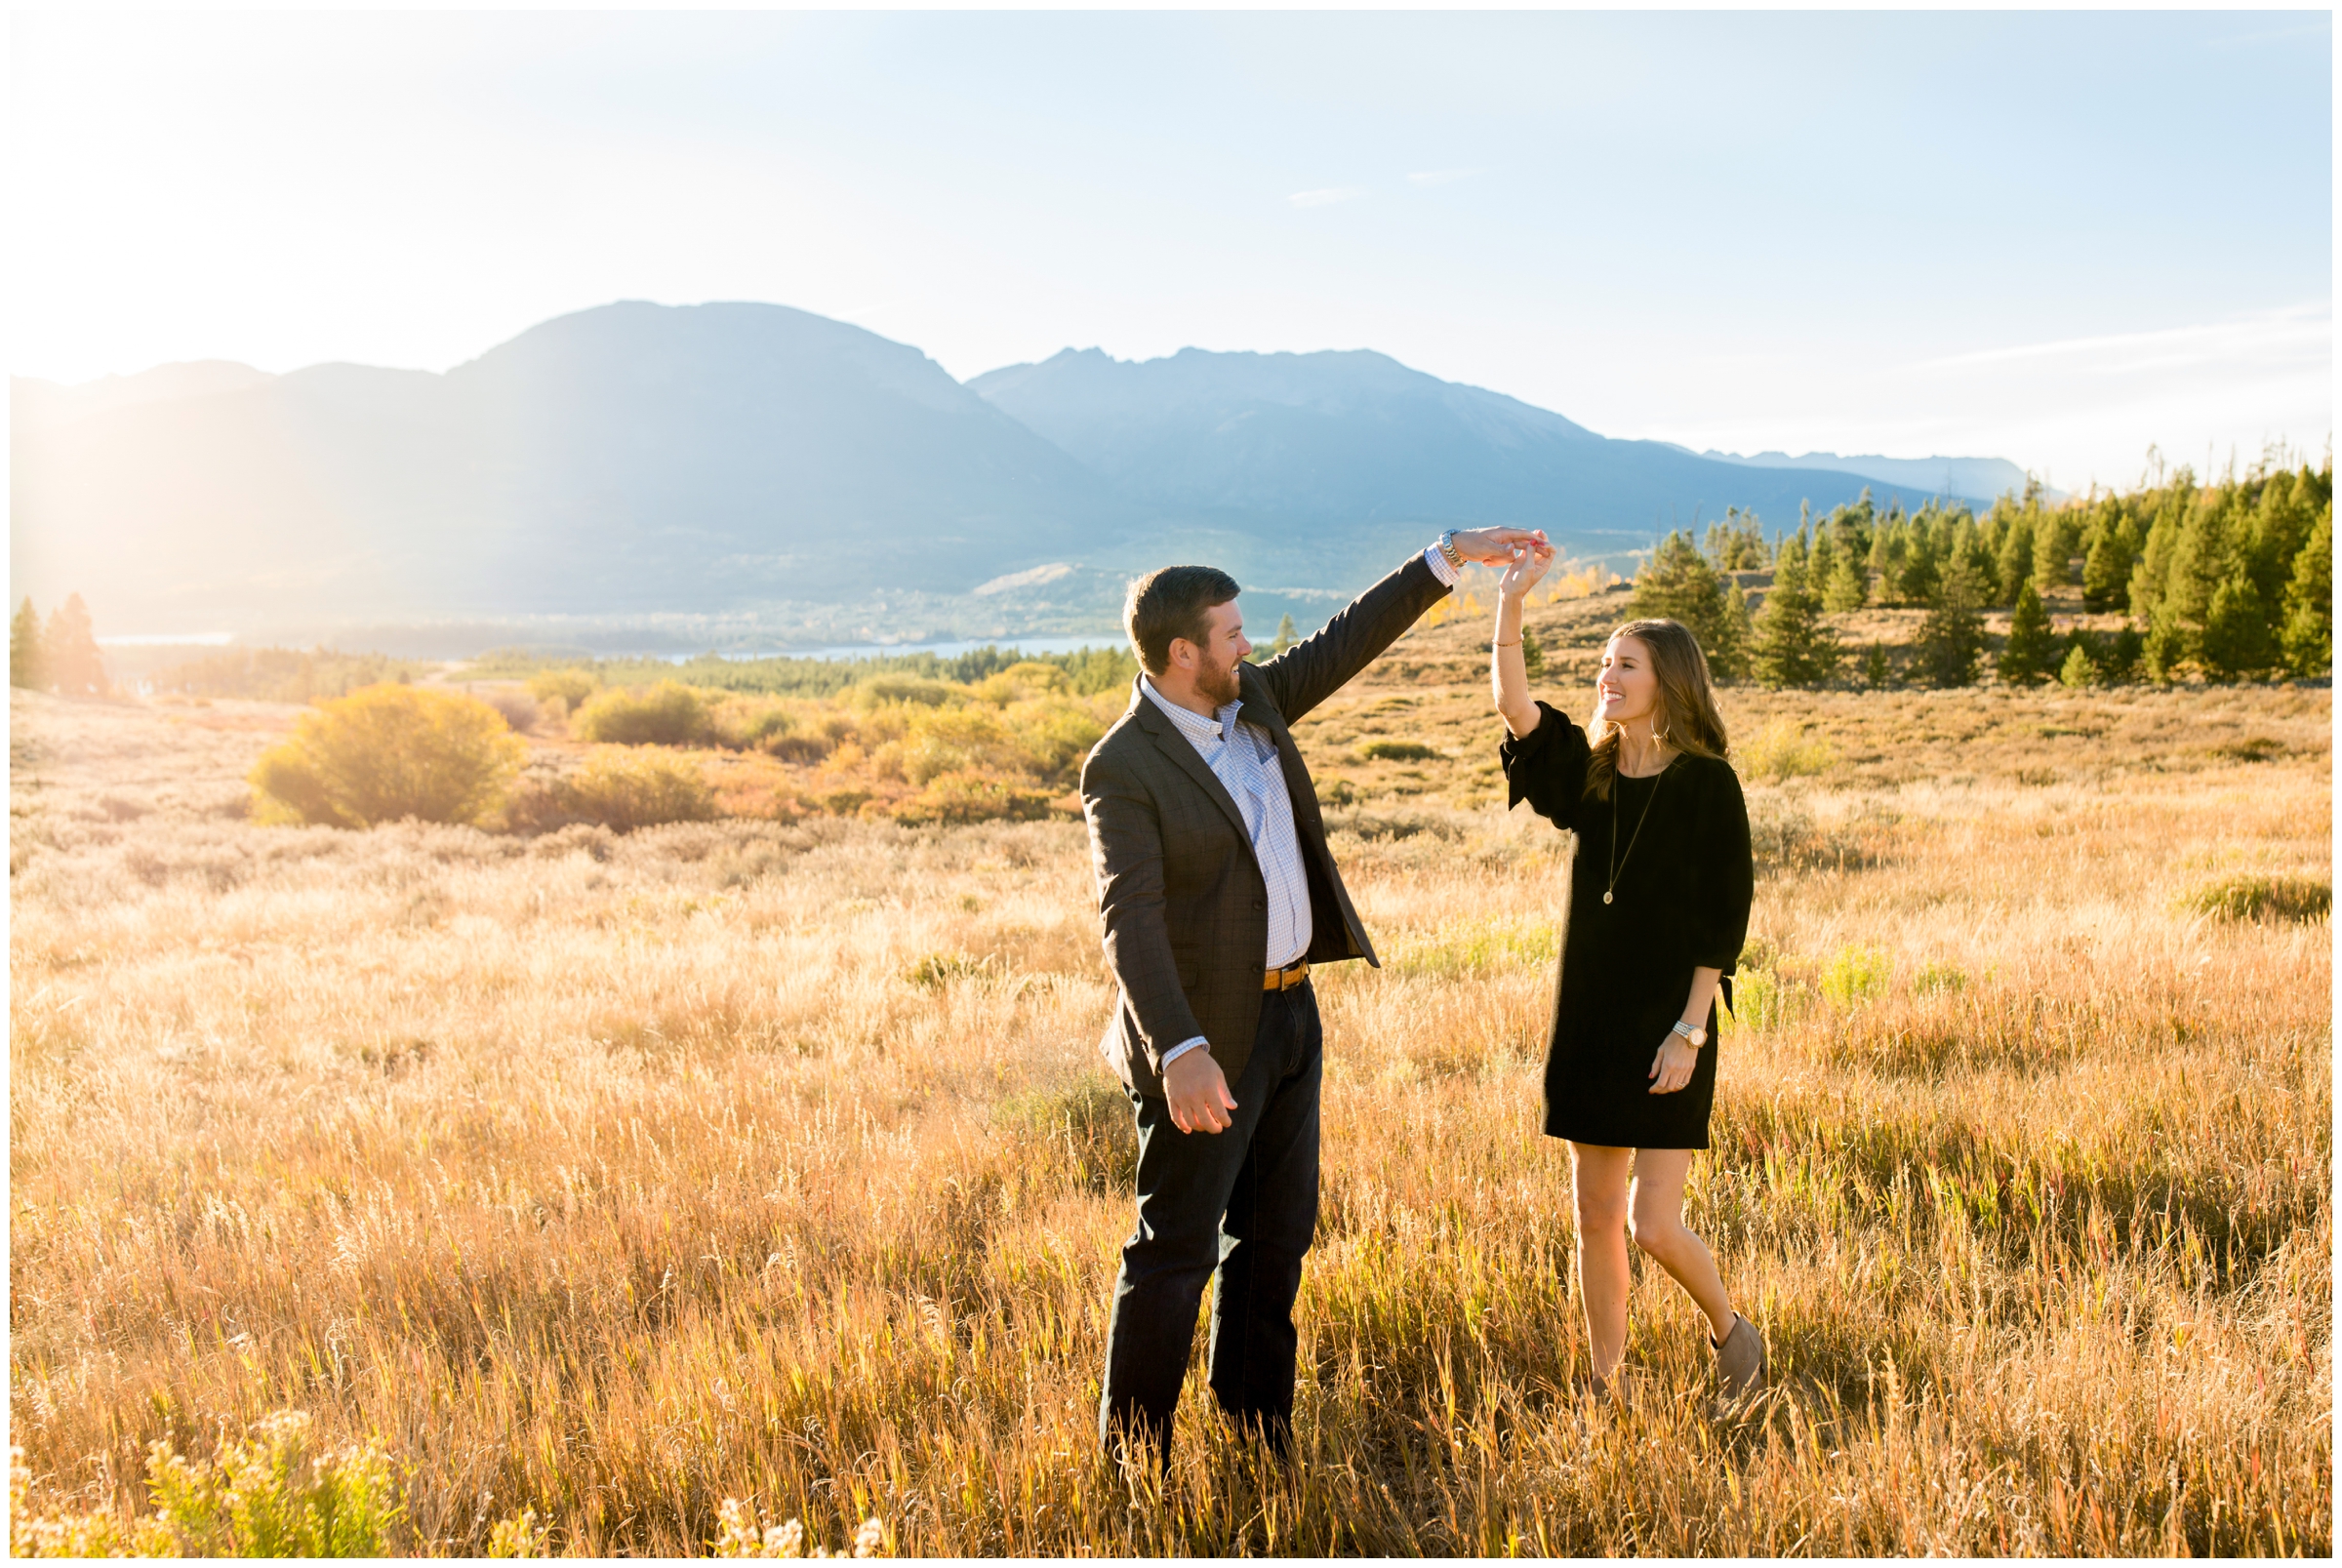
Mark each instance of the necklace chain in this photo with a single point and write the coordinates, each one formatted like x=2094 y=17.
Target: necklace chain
x=1618 y=861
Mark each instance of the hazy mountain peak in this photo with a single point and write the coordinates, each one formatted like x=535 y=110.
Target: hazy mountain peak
x=40 y=404
x=750 y=341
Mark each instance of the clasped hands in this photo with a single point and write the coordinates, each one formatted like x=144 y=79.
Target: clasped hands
x=1508 y=547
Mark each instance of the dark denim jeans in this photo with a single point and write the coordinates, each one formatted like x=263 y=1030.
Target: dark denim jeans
x=1243 y=1201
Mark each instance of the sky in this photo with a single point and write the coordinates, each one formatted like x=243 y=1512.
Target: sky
x=2056 y=238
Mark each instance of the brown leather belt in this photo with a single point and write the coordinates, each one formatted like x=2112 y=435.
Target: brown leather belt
x=1282 y=980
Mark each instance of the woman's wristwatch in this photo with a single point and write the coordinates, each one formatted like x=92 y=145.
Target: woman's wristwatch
x=1693 y=1032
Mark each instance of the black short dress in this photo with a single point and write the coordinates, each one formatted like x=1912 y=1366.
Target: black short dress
x=1682 y=903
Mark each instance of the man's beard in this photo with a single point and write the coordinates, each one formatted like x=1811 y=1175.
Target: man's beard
x=1219 y=683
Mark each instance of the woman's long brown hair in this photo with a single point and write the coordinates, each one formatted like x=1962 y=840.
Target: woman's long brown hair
x=1684 y=712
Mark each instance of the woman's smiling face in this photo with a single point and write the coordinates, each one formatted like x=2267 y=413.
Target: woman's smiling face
x=1627 y=687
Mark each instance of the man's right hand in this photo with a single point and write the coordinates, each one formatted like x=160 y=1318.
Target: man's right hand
x=1198 y=1093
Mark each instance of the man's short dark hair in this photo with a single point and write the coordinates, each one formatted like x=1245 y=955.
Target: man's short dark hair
x=1170 y=602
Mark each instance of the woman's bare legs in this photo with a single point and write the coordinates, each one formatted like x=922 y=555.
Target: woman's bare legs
x=1656 y=1217
x=1620 y=1191
x=1597 y=1177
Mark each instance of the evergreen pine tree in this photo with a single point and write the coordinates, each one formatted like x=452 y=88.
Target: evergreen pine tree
x=25 y=666
x=2105 y=567
x=1876 y=673
x=1728 y=657
x=1849 y=585
x=1532 y=653
x=2236 y=642
x=2030 y=654
x=2203 y=558
x=2056 y=539
x=1286 y=636
x=75 y=667
x=2016 y=554
x=1679 y=585
x=2119 y=662
x=1792 y=646
x=1886 y=557
x=2164 y=646
x=1821 y=560
x=1922 y=565
x=2080 y=670
x=2309 y=634
x=1952 y=638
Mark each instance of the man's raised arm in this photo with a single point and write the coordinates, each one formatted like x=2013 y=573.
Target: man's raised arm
x=1321 y=664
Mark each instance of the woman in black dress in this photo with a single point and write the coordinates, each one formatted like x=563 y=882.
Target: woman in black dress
x=1658 y=911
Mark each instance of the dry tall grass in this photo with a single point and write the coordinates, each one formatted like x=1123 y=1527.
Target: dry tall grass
x=609 y=1176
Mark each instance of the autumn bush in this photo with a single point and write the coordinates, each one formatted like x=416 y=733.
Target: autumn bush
x=668 y=713
x=385 y=753
x=623 y=789
x=568 y=687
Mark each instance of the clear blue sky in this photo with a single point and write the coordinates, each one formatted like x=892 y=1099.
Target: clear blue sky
x=2054 y=238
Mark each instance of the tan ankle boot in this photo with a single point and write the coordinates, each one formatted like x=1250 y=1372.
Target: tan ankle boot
x=1740 y=1359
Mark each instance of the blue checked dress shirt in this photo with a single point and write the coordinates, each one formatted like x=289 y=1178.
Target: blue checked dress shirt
x=1243 y=758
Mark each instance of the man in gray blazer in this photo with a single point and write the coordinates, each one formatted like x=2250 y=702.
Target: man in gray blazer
x=1216 y=894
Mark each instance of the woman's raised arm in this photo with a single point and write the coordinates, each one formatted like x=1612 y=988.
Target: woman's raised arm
x=1507 y=672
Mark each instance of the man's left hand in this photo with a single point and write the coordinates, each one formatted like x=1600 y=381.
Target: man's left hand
x=1492 y=546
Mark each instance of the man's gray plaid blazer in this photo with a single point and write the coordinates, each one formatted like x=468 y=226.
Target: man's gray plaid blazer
x=1182 y=898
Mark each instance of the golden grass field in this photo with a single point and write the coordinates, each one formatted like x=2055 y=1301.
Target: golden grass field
x=613 y=1176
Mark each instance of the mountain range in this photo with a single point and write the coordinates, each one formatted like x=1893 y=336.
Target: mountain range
x=740 y=474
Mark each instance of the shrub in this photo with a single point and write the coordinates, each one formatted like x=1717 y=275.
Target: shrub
x=1054 y=736
x=1481 y=945
x=1856 y=975
x=519 y=709
x=959 y=740
x=623 y=790
x=2302 y=899
x=388 y=752
x=1762 y=999
x=880 y=689
x=267 y=1496
x=668 y=713
x=1022 y=682
x=520 y=1535
x=2080 y=670
x=570 y=686
x=1395 y=751
x=972 y=797
x=756 y=786
x=1784 y=751
x=749 y=723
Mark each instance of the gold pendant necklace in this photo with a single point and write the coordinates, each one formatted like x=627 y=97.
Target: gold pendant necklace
x=1618 y=861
